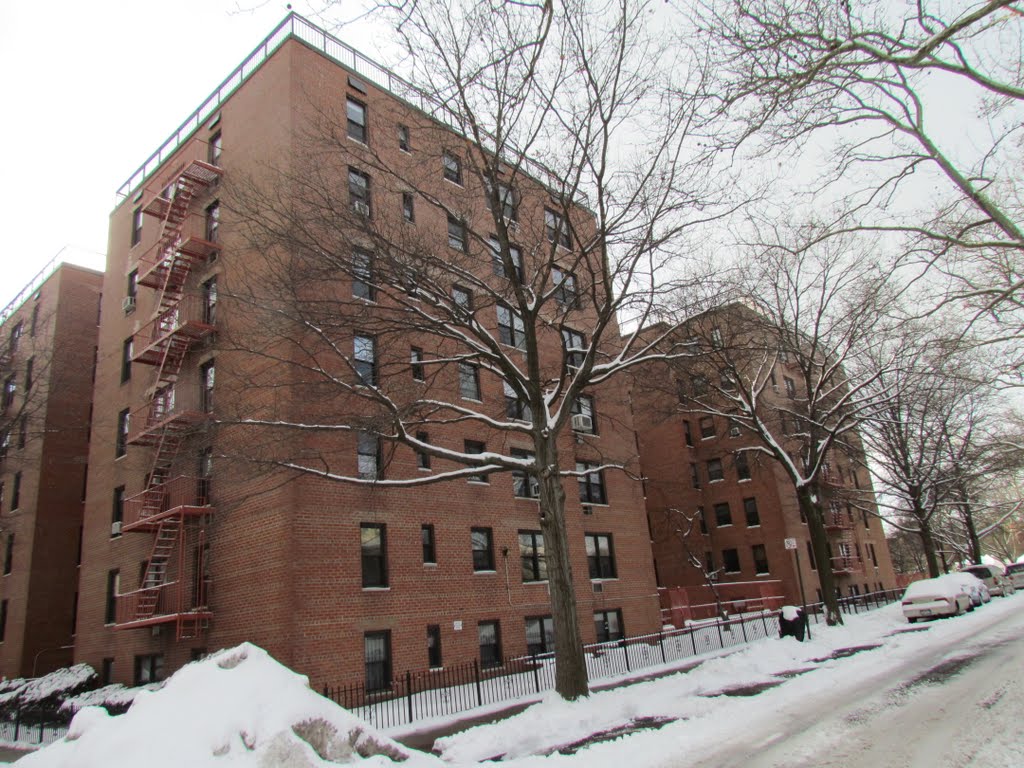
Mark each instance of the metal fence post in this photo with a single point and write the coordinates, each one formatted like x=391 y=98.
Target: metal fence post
x=693 y=642
x=408 y=692
x=661 y=644
x=743 y=628
x=625 y=651
x=764 y=623
x=476 y=676
x=721 y=638
x=17 y=723
x=536 y=675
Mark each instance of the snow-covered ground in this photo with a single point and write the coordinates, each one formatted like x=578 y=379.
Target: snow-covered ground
x=232 y=711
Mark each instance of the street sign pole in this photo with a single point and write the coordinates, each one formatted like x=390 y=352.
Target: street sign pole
x=792 y=544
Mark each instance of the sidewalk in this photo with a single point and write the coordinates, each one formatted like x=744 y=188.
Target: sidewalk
x=9 y=755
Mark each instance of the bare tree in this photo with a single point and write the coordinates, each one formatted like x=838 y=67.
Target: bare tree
x=920 y=105
x=574 y=187
x=776 y=365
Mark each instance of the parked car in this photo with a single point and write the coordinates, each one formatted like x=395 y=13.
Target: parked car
x=1015 y=573
x=929 y=598
x=978 y=591
x=993 y=577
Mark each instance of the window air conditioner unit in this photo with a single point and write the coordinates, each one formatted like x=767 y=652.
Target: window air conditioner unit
x=128 y=304
x=582 y=423
x=534 y=488
x=115 y=528
x=360 y=207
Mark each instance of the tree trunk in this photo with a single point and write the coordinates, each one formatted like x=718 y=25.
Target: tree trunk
x=819 y=543
x=928 y=545
x=973 y=542
x=571 y=666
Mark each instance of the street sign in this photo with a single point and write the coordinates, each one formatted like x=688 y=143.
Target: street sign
x=790 y=543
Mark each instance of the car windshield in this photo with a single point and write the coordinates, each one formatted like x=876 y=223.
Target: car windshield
x=1015 y=568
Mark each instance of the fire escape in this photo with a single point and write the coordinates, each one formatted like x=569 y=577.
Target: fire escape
x=843 y=551
x=172 y=508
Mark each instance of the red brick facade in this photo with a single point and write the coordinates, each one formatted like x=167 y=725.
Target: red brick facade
x=283 y=564
x=48 y=345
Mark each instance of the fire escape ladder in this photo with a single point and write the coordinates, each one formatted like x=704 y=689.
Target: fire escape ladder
x=167 y=539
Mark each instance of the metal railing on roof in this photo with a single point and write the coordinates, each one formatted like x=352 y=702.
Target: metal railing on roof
x=31 y=287
x=295 y=26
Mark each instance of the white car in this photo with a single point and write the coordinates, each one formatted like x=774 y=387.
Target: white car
x=930 y=598
x=993 y=577
x=975 y=586
x=1015 y=573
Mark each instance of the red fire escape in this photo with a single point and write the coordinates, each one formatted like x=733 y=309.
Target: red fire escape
x=172 y=505
x=839 y=526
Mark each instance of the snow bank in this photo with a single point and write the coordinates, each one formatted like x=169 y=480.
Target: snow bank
x=112 y=697
x=238 y=708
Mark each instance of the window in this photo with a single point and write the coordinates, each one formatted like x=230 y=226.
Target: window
x=583 y=405
x=373 y=550
x=16 y=492
x=734 y=426
x=510 y=328
x=600 y=556
x=750 y=510
x=508 y=201
x=362 y=275
x=377 y=658
x=462 y=298
x=9 y=554
x=760 y=559
x=403 y=138
x=429 y=545
x=117 y=508
x=29 y=365
x=368 y=458
x=127 y=347
x=863 y=515
x=35 y=311
x=355 y=113
x=731 y=560
x=473 y=447
x=515 y=257
x=591 y=483
x=422 y=458
x=482 y=542
x=608 y=625
x=694 y=475
x=565 y=287
x=214 y=149
x=742 y=466
x=457 y=234
x=707 y=427
x=359 y=192
x=716 y=338
x=149 y=668
x=556 y=229
x=702 y=521
x=210 y=301
x=515 y=407
x=715 y=472
x=489 y=636
x=709 y=562
x=22 y=430
x=136 y=226
x=434 y=646
x=723 y=516
x=113 y=588
x=699 y=386
x=687 y=434
x=534 y=565
x=452 y=168
x=204 y=476
x=790 y=387
x=469 y=381
x=874 y=557
x=416 y=364
x=540 y=635
x=207 y=374
x=365 y=359
x=524 y=485
x=810 y=556
x=10 y=389
x=213 y=222
x=574 y=344
x=107 y=671
x=15 y=338
x=408 y=206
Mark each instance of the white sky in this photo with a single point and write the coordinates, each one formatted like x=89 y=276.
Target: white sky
x=89 y=90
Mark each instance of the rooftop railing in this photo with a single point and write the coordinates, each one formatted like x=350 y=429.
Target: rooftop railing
x=295 y=26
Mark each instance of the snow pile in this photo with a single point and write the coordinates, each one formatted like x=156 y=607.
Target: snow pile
x=58 y=683
x=790 y=612
x=236 y=708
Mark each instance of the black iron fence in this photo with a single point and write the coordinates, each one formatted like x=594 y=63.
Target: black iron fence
x=425 y=694
x=32 y=726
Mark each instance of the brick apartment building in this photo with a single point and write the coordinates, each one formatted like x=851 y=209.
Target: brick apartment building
x=47 y=346
x=189 y=544
x=732 y=510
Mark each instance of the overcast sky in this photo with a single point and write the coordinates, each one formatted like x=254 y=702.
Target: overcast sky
x=90 y=90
